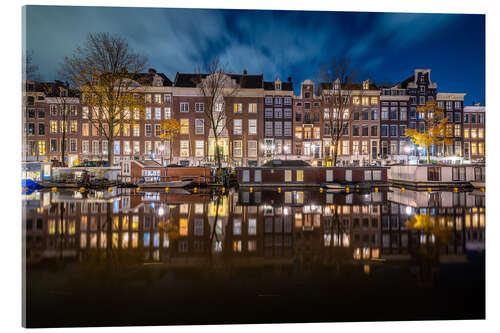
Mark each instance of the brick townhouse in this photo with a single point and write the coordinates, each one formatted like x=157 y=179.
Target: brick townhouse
x=278 y=119
x=359 y=143
x=308 y=124
x=474 y=133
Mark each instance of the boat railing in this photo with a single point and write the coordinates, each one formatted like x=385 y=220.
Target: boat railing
x=156 y=179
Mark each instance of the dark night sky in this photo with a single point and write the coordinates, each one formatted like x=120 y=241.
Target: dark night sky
x=383 y=46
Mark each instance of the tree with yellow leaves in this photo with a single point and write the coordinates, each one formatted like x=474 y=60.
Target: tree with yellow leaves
x=108 y=73
x=169 y=129
x=435 y=130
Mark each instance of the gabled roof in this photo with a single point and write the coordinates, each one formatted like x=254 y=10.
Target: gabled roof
x=188 y=80
x=52 y=89
x=146 y=79
x=404 y=84
x=287 y=86
x=352 y=86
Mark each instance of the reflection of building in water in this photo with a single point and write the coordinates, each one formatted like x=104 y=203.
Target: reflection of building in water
x=296 y=227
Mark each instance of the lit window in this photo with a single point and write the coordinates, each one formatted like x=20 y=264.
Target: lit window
x=237 y=148
x=200 y=151
x=136 y=130
x=158 y=99
x=238 y=108
x=41 y=147
x=53 y=126
x=252 y=148
x=252 y=108
x=184 y=148
x=184 y=126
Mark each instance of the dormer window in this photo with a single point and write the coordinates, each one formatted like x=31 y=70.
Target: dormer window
x=157 y=81
x=277 y=86
x=366 y=85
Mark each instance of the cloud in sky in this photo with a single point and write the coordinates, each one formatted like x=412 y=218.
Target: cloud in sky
x=275 y=43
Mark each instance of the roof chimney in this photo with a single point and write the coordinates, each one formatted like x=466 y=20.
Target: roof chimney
x=244 y=72
x=289 y=79
x=152 y=71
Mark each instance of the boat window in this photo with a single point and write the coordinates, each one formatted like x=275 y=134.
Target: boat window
x=368 y=175
x=288 y=175
x=257 y=176
x=478 y=173
x=433 y=173
x=377 y=175
x=458 y=174
x=246 y=176
x=348 y=175
x=300 y=175
x=329 y=175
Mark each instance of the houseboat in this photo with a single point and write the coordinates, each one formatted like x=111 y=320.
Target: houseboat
x=438 y=176
x=72 y=177
x=151 y=174
x=37 y=171
x=299 y=173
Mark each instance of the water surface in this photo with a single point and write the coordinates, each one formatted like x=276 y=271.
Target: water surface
x=266 y=256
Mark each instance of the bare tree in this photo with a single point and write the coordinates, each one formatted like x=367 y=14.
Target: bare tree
x=108 y=74
x=30 y=70
x=338 y=99
x=216 y=86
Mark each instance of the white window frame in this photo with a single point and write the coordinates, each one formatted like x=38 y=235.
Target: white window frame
x=238 y=128
x=184 y=107
x=199 y=126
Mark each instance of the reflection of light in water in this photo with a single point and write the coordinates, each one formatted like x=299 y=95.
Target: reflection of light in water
x=161 y=211
x=366 y=269
x=285 y=211
x=366 y=253
x=357 y=253
x=408 y=210
x=423 y=239
x=346 y=240
x=327 y=238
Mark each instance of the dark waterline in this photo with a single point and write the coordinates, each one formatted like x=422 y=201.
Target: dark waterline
x=111 y=259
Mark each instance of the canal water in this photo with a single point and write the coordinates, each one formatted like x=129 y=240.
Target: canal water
x=263 y=256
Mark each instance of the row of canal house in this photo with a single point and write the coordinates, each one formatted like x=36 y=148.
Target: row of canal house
x=266 y=226
x=265 y=121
